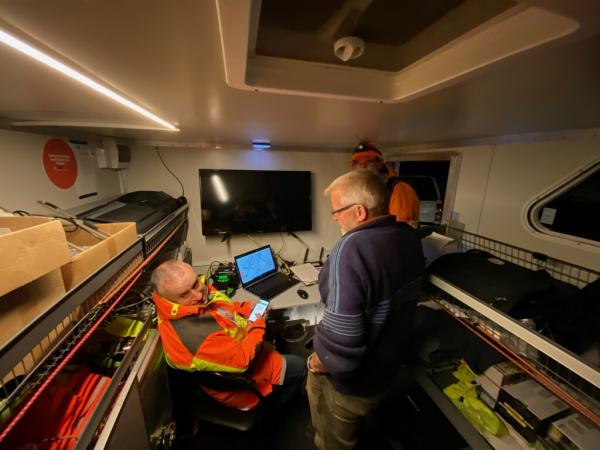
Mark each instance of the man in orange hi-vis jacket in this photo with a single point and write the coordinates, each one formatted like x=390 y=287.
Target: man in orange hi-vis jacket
x=202 y=329
x=404 y=202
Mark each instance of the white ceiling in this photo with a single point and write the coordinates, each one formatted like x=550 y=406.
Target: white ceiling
x=167 y=56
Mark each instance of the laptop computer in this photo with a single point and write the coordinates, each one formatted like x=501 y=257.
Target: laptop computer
x=258 y=273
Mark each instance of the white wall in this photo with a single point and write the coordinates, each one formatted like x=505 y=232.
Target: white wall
x=23 y=179
x=147 y=173
x=495 y=182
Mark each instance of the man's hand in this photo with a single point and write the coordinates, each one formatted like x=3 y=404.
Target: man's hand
x=252 y=303
x=314 y=364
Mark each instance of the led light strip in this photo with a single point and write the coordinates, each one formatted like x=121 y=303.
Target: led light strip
x=30 y=51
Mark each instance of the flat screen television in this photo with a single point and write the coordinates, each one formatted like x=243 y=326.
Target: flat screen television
x=255 y=201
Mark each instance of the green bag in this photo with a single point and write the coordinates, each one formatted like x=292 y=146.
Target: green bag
x=464 y=396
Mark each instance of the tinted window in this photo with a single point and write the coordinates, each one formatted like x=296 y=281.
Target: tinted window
x=438 y=169
x=574 y=211
x=423 y=186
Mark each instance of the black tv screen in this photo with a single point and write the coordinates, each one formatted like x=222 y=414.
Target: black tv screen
x=254 y=201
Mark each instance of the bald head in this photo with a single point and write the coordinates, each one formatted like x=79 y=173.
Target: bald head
x=177 y=281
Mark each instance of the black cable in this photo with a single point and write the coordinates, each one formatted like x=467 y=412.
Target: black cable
x=20 y=212
x=209 y=272
x=170 y=171
x=131 y=305
x=278 y=253
x=70 y=220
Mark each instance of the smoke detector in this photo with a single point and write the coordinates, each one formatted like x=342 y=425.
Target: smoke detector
x=348 y=47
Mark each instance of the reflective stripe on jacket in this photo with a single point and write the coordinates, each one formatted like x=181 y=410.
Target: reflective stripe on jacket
x=217 y=337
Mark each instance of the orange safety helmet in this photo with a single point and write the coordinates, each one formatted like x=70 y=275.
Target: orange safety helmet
x=365 y=151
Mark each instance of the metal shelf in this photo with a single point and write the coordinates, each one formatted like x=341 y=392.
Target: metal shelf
x=106 y=287
x=454 y=416
x=28 y=338
x=157 y=233
x=145 y=354
x=102 y=284
x=560 y=371
x=89 y=432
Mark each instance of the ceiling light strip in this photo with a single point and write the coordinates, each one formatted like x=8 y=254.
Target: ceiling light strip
x=32 y=52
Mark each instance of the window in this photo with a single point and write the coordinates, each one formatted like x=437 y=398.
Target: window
x=571 y=210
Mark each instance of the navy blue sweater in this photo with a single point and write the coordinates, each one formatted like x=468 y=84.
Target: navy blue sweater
x=366 y=268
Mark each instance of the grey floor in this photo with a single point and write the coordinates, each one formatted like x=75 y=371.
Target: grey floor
x=396 y=424
x=290 y=429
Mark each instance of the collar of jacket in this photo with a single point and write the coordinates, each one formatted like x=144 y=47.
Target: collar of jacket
x=168 y=310
x=377 y=222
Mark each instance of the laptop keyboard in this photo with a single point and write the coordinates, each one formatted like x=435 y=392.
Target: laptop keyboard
x=273 y=286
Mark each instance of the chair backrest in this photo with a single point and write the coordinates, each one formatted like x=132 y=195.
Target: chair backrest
x=190 y=401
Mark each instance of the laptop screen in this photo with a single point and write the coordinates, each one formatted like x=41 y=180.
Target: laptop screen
x=255 y=264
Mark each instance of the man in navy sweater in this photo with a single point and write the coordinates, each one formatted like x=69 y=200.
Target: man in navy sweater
x=374 y=271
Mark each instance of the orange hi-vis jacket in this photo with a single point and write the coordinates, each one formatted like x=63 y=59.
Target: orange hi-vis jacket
x=404 y=202
x=217 y=337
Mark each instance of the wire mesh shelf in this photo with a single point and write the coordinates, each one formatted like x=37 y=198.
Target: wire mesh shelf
x=563 y=373
x=21 y=385
x=559 y=270
x=32 y=376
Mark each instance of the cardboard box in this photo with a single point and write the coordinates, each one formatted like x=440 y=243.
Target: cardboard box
x=498 y=375
x=19 y=307
x=575 y=431
x=529 y=408
x=504 y=373
x=97 y=251
x=30 y=247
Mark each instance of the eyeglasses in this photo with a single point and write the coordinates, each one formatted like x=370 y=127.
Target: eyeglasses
x=343 y=208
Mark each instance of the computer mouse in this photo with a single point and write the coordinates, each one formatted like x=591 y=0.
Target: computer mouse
x=302 y=293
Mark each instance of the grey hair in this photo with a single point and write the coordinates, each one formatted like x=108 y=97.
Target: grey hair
x=362 y=187
x=169 y=270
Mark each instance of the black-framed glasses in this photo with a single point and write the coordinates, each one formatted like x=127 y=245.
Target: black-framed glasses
x=343 y=208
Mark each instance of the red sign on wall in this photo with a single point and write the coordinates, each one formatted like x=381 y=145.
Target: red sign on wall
x=60 y=163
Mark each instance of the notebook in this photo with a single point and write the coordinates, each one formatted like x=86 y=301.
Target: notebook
x=307 y=273
x=258 y=273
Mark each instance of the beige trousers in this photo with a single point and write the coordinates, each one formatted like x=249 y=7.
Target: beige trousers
x=334 y=415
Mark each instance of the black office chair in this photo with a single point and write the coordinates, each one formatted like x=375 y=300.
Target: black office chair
x=191 y=402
